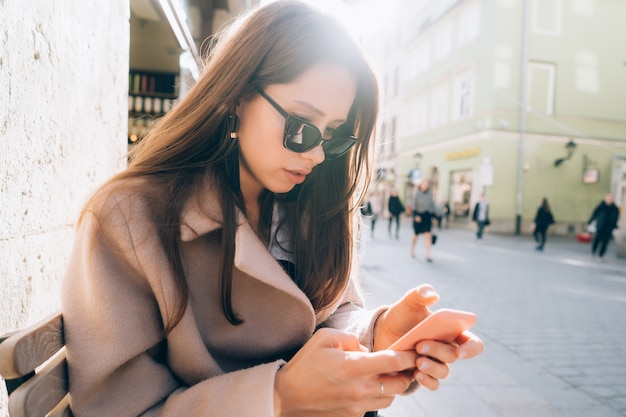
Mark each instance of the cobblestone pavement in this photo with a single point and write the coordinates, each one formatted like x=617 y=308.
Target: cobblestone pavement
x=553 y=322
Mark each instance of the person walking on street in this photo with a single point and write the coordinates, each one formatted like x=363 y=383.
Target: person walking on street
x=606 y=215
x=375 y=209
x=543 y=220
x=395 y=208
x=481 y=216
x=423 y=209
x=446 y=213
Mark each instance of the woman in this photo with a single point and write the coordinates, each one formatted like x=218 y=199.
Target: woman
x=423 y=213
x=214 y=276
x=543 y=220
x=395 y=208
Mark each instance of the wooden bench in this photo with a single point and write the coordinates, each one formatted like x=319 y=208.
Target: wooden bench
x=33 y=365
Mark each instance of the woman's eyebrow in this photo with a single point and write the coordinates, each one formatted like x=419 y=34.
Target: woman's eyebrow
x=316 y=110
x=311 y=107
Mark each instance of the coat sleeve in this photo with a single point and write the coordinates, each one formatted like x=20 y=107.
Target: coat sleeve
x=115 y=298
x=351 y=315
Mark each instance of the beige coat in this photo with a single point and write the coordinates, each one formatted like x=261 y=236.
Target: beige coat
x=118 y=292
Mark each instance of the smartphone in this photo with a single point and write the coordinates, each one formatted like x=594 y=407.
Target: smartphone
x=443 y=325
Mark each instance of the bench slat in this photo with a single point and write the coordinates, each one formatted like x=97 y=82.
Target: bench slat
x=35 y=345
x=42 y=393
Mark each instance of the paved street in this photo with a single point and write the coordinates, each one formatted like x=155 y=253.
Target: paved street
x=553 y=322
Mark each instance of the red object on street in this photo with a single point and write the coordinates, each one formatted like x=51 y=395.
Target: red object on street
x=583 y=237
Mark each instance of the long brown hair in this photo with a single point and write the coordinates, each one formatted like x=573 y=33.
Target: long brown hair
x=271 y=45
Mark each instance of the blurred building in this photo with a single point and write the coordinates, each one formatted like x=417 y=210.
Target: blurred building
x=168 y=40
x=67 y=69
x=520 y=99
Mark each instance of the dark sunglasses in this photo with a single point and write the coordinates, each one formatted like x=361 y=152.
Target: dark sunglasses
x=301 y=136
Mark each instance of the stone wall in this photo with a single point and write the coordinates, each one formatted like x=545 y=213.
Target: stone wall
x=63 y=131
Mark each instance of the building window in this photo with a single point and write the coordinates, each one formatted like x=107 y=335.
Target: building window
x=422 y=57
x=396 y=81
x=584 y=7
x=468 y=24
x=502 y=66
x=439 y=104
x=463 y=93
x=410 y=68
x=380 y=146
x=443 y=41
x=546 y=16
x=587 y=78
x=392 y=137
x=541 y=81
x=415 y=114
x=380 y=143
x=421 y=113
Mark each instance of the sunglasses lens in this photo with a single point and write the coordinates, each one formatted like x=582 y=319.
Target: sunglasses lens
x=300 y=137
x=338 y=146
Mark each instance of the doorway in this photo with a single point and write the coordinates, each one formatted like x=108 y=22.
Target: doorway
x=460 y=194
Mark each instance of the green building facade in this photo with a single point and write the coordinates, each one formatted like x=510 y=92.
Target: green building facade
x=518 y=99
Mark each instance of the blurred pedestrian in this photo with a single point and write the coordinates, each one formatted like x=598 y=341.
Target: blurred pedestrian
x=543 y=220
x=481 y=216
x=395 y=208
x=605 y=215
x=375 y=209
x=423 y=213
x=446 y=213
x=438 y=215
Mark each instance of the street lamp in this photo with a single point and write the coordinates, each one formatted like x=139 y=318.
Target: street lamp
x=569 y=147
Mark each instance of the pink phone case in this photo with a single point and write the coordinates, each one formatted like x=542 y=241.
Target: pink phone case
x=444 y=325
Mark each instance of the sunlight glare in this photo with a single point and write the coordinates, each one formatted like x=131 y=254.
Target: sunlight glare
x=361 y=17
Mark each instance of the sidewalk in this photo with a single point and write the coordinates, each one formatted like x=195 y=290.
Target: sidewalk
x=552 y=322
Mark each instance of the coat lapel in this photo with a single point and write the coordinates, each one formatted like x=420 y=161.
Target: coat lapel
x=202 y=214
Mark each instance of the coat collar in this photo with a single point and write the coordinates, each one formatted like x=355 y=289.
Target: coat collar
x=202 y=215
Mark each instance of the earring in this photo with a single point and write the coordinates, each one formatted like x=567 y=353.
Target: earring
x=233 y=125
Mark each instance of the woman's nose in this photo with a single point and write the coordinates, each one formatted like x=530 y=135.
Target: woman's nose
x=316 y=155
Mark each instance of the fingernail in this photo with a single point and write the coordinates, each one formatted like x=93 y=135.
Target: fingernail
x=420 y=376
x=424 y=366
x=462 y=354
x=427 y=292
x=424 y=349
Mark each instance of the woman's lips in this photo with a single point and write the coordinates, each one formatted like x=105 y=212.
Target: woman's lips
x=297 y=176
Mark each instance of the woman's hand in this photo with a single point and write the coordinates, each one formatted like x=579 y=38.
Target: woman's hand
x=418 y=219
x=333 y=375
x=434 y=357
x=403 y=315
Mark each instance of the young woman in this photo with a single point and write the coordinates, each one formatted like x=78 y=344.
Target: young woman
x=423 y=208
x=214 y=276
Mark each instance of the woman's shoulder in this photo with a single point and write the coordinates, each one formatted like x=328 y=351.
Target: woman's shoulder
x=129 y=198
